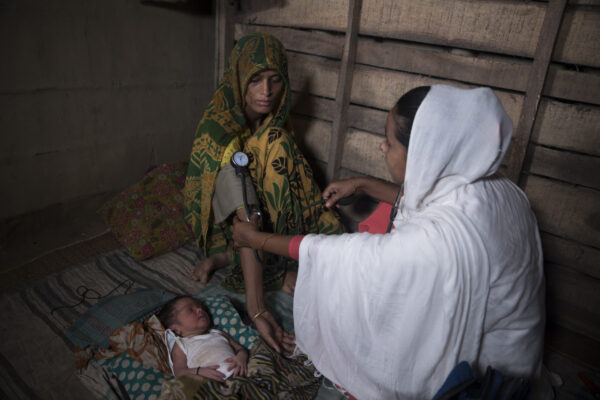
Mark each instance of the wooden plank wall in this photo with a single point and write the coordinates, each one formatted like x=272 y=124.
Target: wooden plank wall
x=402 y=44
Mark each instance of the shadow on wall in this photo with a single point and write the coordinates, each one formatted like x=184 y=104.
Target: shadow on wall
x=201 y=7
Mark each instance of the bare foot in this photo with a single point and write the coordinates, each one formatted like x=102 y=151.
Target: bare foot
x=289 y=282
x=204 y=269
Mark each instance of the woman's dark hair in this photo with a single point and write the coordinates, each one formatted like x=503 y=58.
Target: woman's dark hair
x=167 y=316
x=406 y=107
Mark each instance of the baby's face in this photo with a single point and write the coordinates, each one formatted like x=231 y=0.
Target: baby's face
x=191 y=318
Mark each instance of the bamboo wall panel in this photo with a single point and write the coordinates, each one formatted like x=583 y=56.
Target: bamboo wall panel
x=328 y=15
x=581 y=258
x=573 y=300
x=486 y=70
x=566 y=166
x=573 y=85
x=579 y=38
x=501 y=27
x=464 y=66
x=304 y=103
x=379 y=88
x=311 y=74
x=506 y=27
x=317 y=43
x=362 y=118
x=564 y=210
x=568 y=126
x=561 y=281
x=362 y=154
x=313 y=136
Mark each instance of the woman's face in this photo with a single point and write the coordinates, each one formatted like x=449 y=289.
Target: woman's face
x=263 y=94
x=394 y=152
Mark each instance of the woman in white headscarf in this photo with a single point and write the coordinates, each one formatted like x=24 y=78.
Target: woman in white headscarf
x=458 y=277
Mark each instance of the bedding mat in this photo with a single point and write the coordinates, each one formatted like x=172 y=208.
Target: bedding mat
x=33 y=342
x=36 y=352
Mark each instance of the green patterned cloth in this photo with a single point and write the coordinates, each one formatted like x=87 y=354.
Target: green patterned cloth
x=281 y=175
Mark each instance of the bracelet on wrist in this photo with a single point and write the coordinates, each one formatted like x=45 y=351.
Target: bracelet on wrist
x=262 y=246
x=258 y=314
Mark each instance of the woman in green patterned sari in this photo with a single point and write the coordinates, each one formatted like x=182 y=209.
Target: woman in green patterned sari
x=249 y=112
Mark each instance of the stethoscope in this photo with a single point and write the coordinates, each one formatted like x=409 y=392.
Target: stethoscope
x=240 y=161
x=394 y=210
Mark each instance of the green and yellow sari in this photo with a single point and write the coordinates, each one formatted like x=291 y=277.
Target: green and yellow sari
x=281 y=175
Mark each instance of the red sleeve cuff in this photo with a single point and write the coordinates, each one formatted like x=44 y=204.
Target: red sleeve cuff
x=294 y=246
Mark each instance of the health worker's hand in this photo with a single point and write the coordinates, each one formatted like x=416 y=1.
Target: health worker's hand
x=242 y=232
x=338 y=190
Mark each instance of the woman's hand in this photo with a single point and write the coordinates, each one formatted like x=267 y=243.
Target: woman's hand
x=274 y=335
x=338 y=190
x=239 y=363
x=242 y=232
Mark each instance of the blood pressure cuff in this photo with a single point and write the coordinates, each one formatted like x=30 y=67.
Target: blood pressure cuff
x=228 y=195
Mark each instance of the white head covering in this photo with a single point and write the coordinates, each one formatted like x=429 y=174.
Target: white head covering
x=458 y=136
x=459 y=278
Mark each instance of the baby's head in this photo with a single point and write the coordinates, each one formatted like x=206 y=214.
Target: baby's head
x=185 y=316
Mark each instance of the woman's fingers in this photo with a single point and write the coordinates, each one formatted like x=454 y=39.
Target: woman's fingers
x=265 y=330
x=277 y=338
x=289 y=338
x=338 y=190
x=331 y=201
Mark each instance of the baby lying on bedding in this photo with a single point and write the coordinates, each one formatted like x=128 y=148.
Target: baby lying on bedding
x=200 y=351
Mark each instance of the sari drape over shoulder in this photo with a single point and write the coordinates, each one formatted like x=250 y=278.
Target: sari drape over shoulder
x=282 y=177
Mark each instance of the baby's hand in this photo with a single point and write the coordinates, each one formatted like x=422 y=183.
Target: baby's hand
x=211 y=373
x=239 y=363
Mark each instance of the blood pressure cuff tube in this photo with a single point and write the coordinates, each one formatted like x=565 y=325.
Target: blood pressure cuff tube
x=228 y=195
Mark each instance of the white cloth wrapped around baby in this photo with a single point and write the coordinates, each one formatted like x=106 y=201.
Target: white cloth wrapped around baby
x=211 y=348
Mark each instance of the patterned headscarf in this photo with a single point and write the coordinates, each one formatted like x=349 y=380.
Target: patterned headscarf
x=223 y=120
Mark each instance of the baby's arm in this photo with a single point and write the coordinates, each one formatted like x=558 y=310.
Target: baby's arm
x=239 y=362
x=180 y=367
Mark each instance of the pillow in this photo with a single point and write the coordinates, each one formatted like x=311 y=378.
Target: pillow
x=226 y=318
x=93 y=327
x=139 y=381
x=147 y=218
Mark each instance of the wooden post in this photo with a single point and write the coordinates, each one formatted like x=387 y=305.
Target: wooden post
x=344 y=89
x=535 y=85
x=224 y=36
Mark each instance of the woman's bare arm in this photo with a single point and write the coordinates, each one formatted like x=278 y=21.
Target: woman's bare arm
x=246 y=235
x=375 y=188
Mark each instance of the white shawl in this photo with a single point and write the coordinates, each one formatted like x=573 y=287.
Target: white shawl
x=459 y=278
